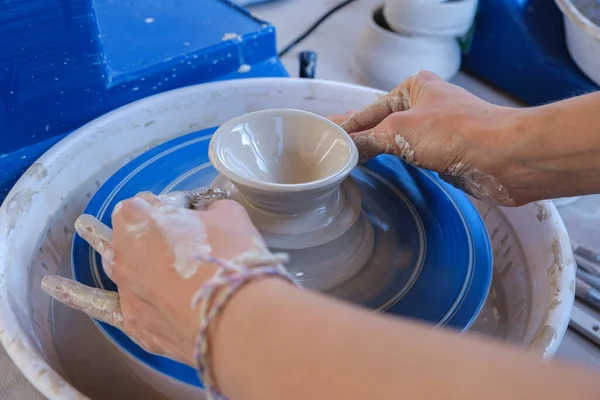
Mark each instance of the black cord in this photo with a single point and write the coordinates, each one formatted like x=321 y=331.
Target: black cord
x=314 y=26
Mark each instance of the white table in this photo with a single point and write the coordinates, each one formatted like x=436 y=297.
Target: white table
x=333 y=42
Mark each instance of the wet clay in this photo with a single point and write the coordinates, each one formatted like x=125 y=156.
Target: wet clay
x=478 y=184
x=198 y=199
x=185 y=233
x=97 y=303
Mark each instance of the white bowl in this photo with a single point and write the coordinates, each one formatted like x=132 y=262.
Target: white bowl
x=386 y=58
x=435 y=18
x=62 y=352
x=583 y=39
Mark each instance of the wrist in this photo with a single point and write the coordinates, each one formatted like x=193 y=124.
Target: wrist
x=244 y=321
x=551 y=151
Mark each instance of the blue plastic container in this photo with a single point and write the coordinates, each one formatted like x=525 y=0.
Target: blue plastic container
x=67 y=62
x=519 y=47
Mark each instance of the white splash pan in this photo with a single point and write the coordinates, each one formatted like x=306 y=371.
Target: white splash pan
x=64 y=355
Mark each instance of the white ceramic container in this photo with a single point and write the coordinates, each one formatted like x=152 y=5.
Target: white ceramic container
x=64 y=355
x=431 y=18
x=386 y=58
x=583 y=38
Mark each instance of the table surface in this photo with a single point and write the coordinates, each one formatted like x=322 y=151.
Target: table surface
x=334 y=43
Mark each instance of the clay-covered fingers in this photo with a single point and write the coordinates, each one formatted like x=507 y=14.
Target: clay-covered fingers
x=99 y=236
x=99 y=304
x=372 y=115
x=368 y=126
x=376 y=130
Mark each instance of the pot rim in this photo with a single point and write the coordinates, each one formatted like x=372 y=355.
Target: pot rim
x=335 y=178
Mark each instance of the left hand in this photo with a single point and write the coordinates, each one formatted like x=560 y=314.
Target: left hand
x=434 y=124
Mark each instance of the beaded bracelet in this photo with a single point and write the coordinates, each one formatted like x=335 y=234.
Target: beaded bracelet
x=230 y=277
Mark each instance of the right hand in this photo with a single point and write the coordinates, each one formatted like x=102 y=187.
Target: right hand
x=152 y=257
x=439 y=126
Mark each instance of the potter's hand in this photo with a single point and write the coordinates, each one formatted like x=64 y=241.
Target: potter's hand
x=439 y=126
x=152 y=256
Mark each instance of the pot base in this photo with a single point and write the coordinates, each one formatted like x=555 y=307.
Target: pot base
x=318 y=226
x=321 y=257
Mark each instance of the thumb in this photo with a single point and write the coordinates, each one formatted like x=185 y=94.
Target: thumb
x=391 y=136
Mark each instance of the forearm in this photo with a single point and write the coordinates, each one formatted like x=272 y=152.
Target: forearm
x=274 y=342
x=554 y=150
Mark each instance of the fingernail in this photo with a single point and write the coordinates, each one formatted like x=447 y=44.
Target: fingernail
x=135 y=215
x=150 y=197
x=117 y=208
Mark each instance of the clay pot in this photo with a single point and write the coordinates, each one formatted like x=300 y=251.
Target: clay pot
x=289 y=169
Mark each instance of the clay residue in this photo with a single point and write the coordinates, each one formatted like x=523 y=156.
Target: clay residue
x=231 y=36
x=543 y=337
x=478 y=184
x=100 y=304
x=376 y=112
x=203 y=198
x=197 y=199
x=369 y=146
x=244 y=68
x=546 y=333
x=17 y=206
x=404 y=150
x=543 y=213
x=37 y=171
x=98 y=235
x=186 y=235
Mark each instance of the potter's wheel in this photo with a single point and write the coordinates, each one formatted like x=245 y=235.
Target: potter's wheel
x=430 y=257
